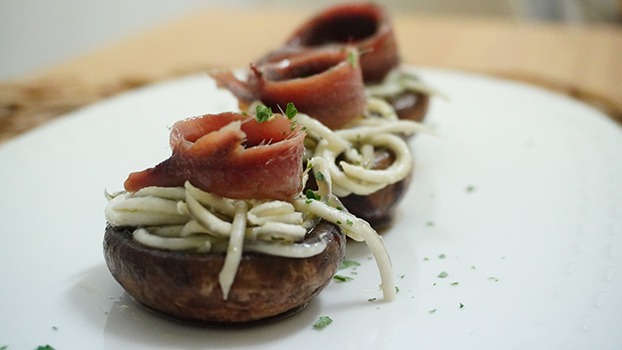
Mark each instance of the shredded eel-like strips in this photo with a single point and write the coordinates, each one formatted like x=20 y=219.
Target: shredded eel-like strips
x=234 y=250
x=352 y=174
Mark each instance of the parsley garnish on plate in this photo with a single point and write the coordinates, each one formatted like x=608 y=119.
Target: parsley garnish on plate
x=45 y=347
x=341 y=278
x=443 y=274
x=348 y=263
x=322 y=322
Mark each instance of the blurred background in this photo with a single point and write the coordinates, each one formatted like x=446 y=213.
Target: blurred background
x=35 y=34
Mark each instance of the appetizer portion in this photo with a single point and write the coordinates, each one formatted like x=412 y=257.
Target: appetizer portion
x=225 y=254
x=368 y=28
x=342 y=68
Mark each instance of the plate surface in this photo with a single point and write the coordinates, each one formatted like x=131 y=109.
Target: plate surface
x=518 y=199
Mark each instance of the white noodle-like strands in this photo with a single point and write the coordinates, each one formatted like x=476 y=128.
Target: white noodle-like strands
x=281 y=230
x=172 y=193
x=212 y=201
x=354 y=227
x=397 y=171
x=125 y=210
x=143 y=236
x=350 y=223
x=234 y=249
x=399 y=81
x=292 y=250
x=207 y=219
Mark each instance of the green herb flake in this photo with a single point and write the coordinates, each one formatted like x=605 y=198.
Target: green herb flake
x=310 y=194
x=262 y=113
x=402 y=276
x=443 y=274
x=352 y=59
x=461 y=305
x=442 y=256
x=349 y=263
x=290 y=111
x=322 y=322
x=341 y=278
x=349 y=222
x=397 y=289
x=429 y=223
x=4 y=347
x=340 y=208
x=432 y=311
x=45 y=347
x=454 y=283
x=371 y=299
x=319 y=176
x=470 y=188
x=495 y=279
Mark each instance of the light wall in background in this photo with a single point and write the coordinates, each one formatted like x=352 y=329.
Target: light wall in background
x=35 y=34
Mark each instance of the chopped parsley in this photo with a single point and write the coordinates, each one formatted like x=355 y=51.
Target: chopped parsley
x=262 y=113
x=319 y=176
x=322 y=322
x=442 y=256
x=443 y=274
x=290 y=111
x=352 y=59
x=341 y=278
x=470 y=188
x=430 y=223
x=495 y=279
x=45 y=347
x=310 y=194
x=454 y=283
x=431 y=311
x=371 y=299
x=349 y=222
x=348 y=263
x=461 y=305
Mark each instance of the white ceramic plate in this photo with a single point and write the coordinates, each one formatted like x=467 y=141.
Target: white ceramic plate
x=518 y=200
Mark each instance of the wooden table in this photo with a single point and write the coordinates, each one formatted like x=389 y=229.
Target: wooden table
x=584 y=61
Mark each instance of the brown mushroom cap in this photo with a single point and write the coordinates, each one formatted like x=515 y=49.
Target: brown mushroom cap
x=184 y=284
